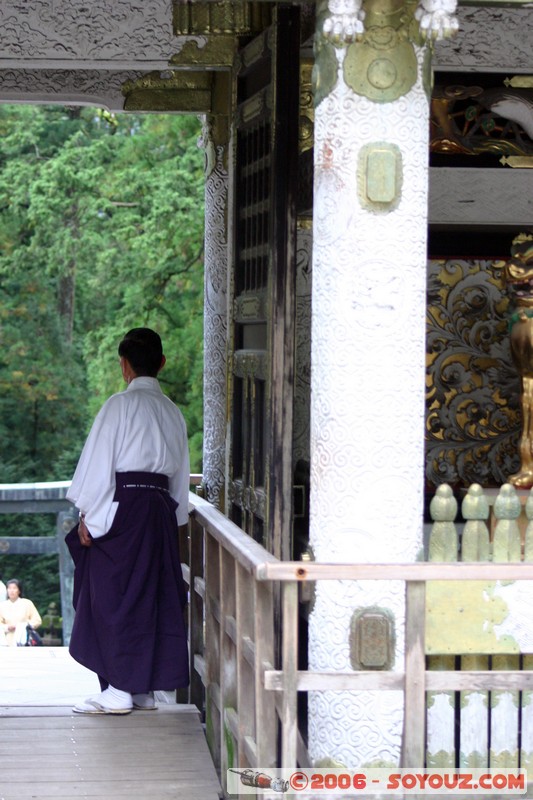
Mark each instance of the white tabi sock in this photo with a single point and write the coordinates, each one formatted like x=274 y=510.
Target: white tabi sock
x=145 y=700
x=115 y=698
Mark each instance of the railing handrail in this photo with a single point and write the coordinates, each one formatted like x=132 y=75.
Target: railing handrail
x=243 y=615
x=35 y=485
x=411 y=571
x=249 y=553
x=38 y=487
x=266 y=567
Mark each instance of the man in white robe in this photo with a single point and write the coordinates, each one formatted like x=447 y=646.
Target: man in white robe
x=131 y=488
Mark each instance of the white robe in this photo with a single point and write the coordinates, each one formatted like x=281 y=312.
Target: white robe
x=19 y=612
x=138 y=430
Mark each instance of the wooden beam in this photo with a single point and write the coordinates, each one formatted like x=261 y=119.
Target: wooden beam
x=362 y=680
x=416 y=571
x=23 y=545
x=497 y=197
x=368 y=680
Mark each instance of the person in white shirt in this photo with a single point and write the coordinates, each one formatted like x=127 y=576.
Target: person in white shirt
x=131 y=487
x=16 y=613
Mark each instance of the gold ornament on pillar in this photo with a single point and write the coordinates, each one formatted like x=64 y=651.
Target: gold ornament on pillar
x=383 y=66
x=379 y=37
x=519 y=276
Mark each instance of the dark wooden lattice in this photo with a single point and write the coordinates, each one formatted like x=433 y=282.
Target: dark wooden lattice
x=266 y=156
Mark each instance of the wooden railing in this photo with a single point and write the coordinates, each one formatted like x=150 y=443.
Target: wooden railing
x=244 y=644
x=44 y=498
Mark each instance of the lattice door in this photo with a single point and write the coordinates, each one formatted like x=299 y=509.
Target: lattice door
x=266 y=139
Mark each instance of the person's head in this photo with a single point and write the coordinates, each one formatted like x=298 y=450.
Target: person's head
x=142 y=349
x=14 y=588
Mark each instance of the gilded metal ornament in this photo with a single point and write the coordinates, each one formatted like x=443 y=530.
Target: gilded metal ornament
x=379 y=176
x=383 y=66
x=241 y=17
x=472 y=397
x=307 y=115
x=471 y=119
x=519 y=276
x=325 y=70
x=169 y=91
x=380 y=74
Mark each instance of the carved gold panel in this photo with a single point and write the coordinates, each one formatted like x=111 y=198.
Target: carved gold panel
x=469 y=118
x=473 y=389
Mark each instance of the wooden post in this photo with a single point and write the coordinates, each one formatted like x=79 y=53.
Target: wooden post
x=245 y=673
x=526 y=751
x=289 y=665
x=196 y=612
x=182 y=695
x=213 y=726
x=475 y=546
x=443 y=546
x=504 y=704
x=65 y=522
x=414 y=738
x=265 y=713
x=229 y=710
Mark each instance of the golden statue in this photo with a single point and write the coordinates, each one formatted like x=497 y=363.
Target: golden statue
x=519 y=277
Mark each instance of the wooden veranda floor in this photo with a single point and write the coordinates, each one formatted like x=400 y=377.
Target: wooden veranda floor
x=47 y=751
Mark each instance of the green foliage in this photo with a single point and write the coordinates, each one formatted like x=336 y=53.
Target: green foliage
x=39 y=574
x=101 y=230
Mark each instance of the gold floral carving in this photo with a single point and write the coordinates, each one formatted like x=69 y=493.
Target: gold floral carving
x=473 y=389
x=469 y=119
x=307 y=113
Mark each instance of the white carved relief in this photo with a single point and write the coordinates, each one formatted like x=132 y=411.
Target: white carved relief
x=345 y=21
x=489 y=40
x=437 y=18
x=367 y=406
x=87 y=87
x=215 y=321
x=130 y=31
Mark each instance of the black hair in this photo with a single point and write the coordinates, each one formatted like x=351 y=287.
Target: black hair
x=143 y=349
x=17 y=583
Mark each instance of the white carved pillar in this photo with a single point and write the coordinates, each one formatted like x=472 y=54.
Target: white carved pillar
x=368 y=357
x=215 y=309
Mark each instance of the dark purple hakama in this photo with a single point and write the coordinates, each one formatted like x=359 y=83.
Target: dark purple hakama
x=129 y=593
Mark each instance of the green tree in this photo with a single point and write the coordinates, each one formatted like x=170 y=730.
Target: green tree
x=101 y=230
x=102 y=222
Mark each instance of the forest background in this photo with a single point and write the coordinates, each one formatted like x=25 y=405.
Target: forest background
x=101 y=230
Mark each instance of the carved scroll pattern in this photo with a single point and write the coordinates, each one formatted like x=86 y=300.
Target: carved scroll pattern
x=100 y=29
x=367 y=410
x=473 y=415
x=491 y=38
x=215 y=325
x=66 y=86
